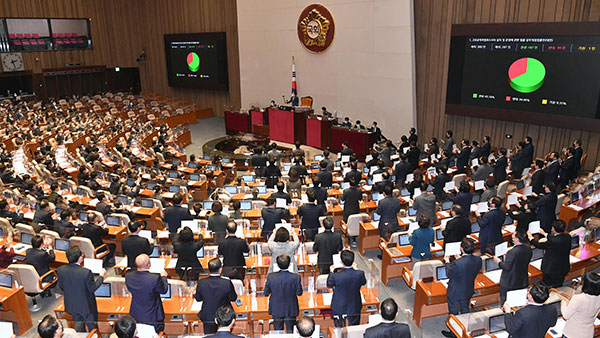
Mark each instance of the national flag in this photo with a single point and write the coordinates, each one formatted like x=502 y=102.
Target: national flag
x=294 y=88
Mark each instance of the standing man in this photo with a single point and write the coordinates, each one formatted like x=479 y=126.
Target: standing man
x=327 y=244
x=79 y=286
x=535 y=319
x=425 y=204
x=500 y=166
x=388 y=209
x=214 y=292
x=552 y=169
x=401 y=169
x=557 y=249
x=491 y=225
x=134 y=245
x=232 y=248
x=94 y=229
x=458 y=227
x=346 y=286
x=41 y=256
x=284 y=288
x=462 y=157
x=176 y=213
x=538 y=177
x=310 y=213
x=388 y=327
x=146 y=288
x=449 y=143
x=546 y=207
x=351 y=197
x=324 y=174
x=461 y=274
x=272 y=215
x=515 y=265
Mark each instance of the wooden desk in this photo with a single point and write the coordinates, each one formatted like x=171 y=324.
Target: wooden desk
x=236 y=122
x=15 y=309
x=368 y=238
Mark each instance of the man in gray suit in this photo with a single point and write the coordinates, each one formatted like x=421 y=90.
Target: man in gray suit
x=425 y=204
x=388 y=209
x=481 y=171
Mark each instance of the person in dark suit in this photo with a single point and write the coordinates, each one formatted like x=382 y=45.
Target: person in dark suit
x=346 y=150
x=458 y=227
x=578 y=154
x=552 y=169
x=462 y=157
x=351 y=197
x=176 y=213
x=353 y=173
x=412 y=136
x=425 y=204
x=41 y=256
x=439 y=182
x=283 y=287
x=42 y=216
x=486 y=147
x=102 y=206
x=217 y=222
x=546 y=207
x=518 y=161
x=464 y=197
x=533 y=320
x=305 y=326
x=294 y=100
x=490 y=224
x=134 y=245
x=568 y=168
x=259 y=161
x=214 y=292
x=271 y=216
x=310 y=213
x=346 y=286
x=557 y=248
x=94 y=229
x=280 y=193
x=187 y=248
x=232 y=249
x=525 y=214
x=225 y=320
x=10 y=215
x=529 y=150
x=515 y=265
x=449 y=142
x=146 y=288
x=388 y=209
x=475 y=150
x=461 y=274
x=401 y=169
x=388 y=328
x=320 y=192
x=499 y=167
x=327 y=244
x=324 y=175
x=413 y=155
x=538 y=177
x=79 y=286
x=64 y=226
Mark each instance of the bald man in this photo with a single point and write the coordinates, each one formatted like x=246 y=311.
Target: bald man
x=146 y=288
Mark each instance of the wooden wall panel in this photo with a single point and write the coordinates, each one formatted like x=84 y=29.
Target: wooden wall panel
x=433 y=20
x=121 y=29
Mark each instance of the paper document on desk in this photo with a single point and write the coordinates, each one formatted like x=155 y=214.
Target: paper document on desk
x=575 y=207
x=93 y=202
x=537 y=264
x=510 y=228
x=327 y=298
x=436 y=247
x=135 y=209
x=444 y=214
x=494 y=276
x=573 y=259
x=157 y=265
x=196 y=306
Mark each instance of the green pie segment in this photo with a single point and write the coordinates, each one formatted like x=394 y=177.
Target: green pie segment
x=193 y=61
x=526 y=75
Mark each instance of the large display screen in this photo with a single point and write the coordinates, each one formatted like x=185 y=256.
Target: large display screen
x=525 y=74
x=197 y=60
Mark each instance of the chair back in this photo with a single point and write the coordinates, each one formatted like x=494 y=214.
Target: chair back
x=354 y=223
x=258 y=204
x=50 y=233
x=117 y=285
x=85 y=244
x=582 y=161
x=559 y=202
x=28 y=277
x=502 y=187
x=238 y=285
x=458 y=179
x=424 y=269
x=25 y=228
x=5 y=225
x=321 y=283
x=306 y=101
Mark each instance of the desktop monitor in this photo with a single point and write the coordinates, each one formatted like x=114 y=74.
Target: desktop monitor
x=200 y=253
x=286 y=167
x=83 y=216
x=439 y=235
x=151 y=185
x=412 y=212
x=490 y=265
x=496 y=323
x=404 y=192
x=476 y=198
x=248 y=178
x=575 y=242
x=130 y=182
x=262 y=189
x=176 y=162
x=194 y=177
x=124 y=200
x=376 y=216
x=155 y=252
x=64 y=186
x=211 y=167
x=6 y=280
x=192 y=165
x=314 y=165
x=147 y=203
x=113 y=220
x=440 y=273
x=574 y=197
x=520 y=184
x=375 y=196
x=207 y=157
x=61 y=244
x=58 y=210
x=245 y=205
x=318 y=157
x=232 y=189
x=508 y=220
x=103 y=291
x=447 y=205
x=403 y=240
x=81 y=192
x=475 y=227
x=26 y=238
x=226 y=160
x=536 y=254
x=173 y=174
x=598 y=233
x=207 y=205
x=174 y=188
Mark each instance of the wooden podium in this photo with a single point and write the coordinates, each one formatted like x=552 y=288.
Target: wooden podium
x=318 y=132
x=288 y=126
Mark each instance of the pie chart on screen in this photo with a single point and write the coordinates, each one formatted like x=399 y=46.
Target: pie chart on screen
x=526 y=75
x=193 y=61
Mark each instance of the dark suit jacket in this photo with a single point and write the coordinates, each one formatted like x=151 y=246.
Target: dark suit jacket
x=500 y=169
x=327 y=244
x=578 y=154
x=186 y=253
x=463 y=199
x=213 y=292
x=321 y=194
x=353 y=174
x=13 y=216
x=556 y=254
x=272 y=216
x=523 y=218
x=347 y=151
x=552 y=172
x=284 y=195
x=438 y=183
x=145 y=288
x=462 y=158
x=388 y=330
x=537 y=181
x=79 y=286
x=310 y=214
x=218 y=223
x=40 y=259
x=568 y=170
x=546 y=210
x=133 y=246
x=94 y=233
x=43 y=217
x=346 y=291
x=490 y=224
x=514 y=268
x=486 y=149
x=388 y=209
x=519 y=162
x=284 y=287
x=412 y=156
x=174 y=215
x=232 y=249
x=531 y=321
x=461 y=274
x=224 y=334
x=351 y=197
x=326 y=178
x=400 y=171
x=456 y=229
x=64 y=228
x=103 y=208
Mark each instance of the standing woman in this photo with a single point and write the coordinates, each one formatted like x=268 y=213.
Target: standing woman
x=583 y=308
x=421 y=240
x=279 y=244
x=186 y=248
